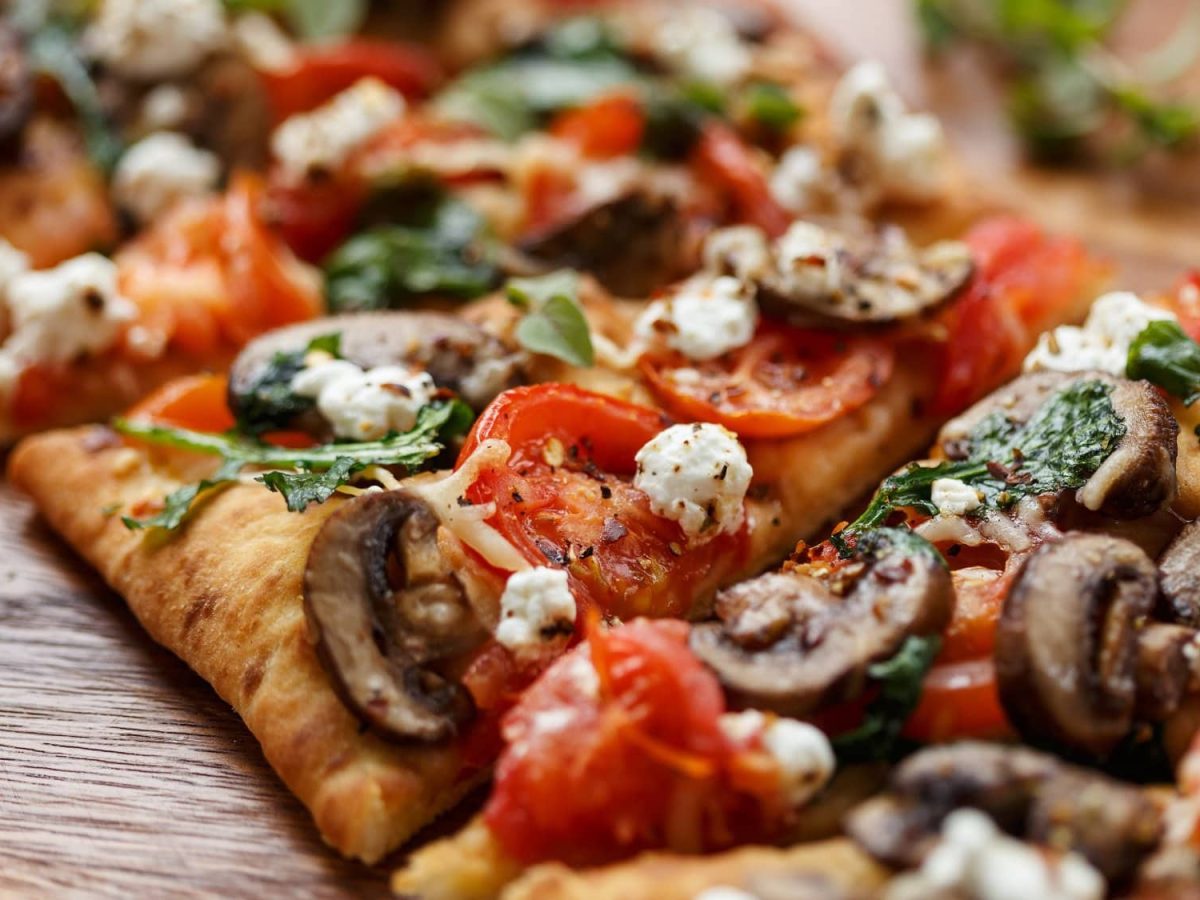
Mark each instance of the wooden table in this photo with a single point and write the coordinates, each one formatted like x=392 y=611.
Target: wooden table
x=121 y=773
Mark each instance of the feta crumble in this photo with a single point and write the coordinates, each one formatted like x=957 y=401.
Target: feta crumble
x=696 y=475
x=537 y=613
x=953 y=497
x=702 y=44
x=321 y=140
x=152 y=40
x=365 y=405
x=13 y=262
x=1102 y=343
x=809 y=260
x=705 y=318
x=903 y=155
x=799 y=179
x=804 y=755
x=59 y=315
x=724 y=892
x=975 y=859
x=159 y=171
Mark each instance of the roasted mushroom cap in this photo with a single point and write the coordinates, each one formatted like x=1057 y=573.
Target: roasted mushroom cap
x=790 y=642
x=1138 y=476
x=827 y=278
x=1067 y=639
x=633 y=244
x=1179 y=578
x=457 y=354
x=378 y=633
x=16 y=91
x=1029 y=794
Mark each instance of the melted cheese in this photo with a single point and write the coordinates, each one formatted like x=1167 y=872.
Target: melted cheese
x=466 y=522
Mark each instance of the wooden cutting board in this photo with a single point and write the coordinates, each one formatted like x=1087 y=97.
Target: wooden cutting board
x=122 y=774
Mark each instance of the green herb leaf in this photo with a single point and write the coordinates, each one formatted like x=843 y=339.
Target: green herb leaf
x=178 y=504
x=442 y=248
x=900 y=681
x=554 y=323
x=770 y=106
x=311 y=19
x=1064 y=442
x=1164 y=355
x=270 y=404
x=302 y=488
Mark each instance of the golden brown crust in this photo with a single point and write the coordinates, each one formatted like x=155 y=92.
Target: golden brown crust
x=224 y=595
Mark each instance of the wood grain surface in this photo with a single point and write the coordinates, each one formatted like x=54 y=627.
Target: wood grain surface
x=122 y=774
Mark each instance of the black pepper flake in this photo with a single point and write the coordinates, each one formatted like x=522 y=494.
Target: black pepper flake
x=517 y=498
x=552 y=552
x=586 y=552
x=463 y=501
x=724 y=471
x=605 y=492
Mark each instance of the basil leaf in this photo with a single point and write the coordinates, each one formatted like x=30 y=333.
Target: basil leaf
x=554 y=323
x=302 y=488
x=1164 y=355
x=770 y=105
x=269 y=403
x=178 y=504
x=900 y=679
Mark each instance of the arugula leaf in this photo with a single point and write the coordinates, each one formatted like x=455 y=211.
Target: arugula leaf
x=302 y=488
x=270 y=403
x=177 y=504
x=900 y=679
x=442 y=247
x=53 y=52
x=770 y=106
x=311 y=19
x=554 y=323
x=1164 y=355
x=1064 y=442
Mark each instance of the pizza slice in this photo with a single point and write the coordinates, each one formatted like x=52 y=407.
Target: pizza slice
x=1032 y=581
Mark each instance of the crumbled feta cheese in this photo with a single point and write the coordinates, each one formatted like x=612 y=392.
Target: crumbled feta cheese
x=953 y=497
x=164 y=107
x=12 y=263
x=724 y=892
x=705 y=318
x=701 y=44
x=904 y=155
x=321 y=140
x=696 y=475
x=799 y=179
x=262 y=43
x=809 y=260
x=1102 y=343
x=365 y=405
x=740 y=250
x=537 y=613
x=975 y=859
x=159 y=171
x=803 y=753
x=58 y=315
x=150 y=40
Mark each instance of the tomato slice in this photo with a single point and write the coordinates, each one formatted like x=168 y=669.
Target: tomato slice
x=723 y=158
x=197 y=402
x=959 y=700
x=565 y=499
x=608 y=126
x=1185 y=303
x=786 y=381
x=323 y=70
x=313 y=216
x=617 y=748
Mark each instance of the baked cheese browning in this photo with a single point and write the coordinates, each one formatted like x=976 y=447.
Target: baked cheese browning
x=233 y=611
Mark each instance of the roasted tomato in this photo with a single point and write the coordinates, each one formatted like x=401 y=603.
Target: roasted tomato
x=313 y=217
x=320 y=71
x=784 y=382
x=197 y=402
x=565 y=499
x=1185 y=302
x=959 y=700
x=609 y=126
x=724 y=159
x=617 y=748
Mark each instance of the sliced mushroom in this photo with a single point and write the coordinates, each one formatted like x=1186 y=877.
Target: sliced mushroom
x=1138 y=476
x=633 y=244
x=1067 y=641
x=790 y=642
x=1179 y=578
x=828 y=278
x=457 y=354
x=1030 y=795
x=1164 y=668
x=385 y=610
x=16 y=91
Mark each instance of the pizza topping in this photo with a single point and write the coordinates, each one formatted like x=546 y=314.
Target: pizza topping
x=703 y=318
x=764 y=648
x=553 y=322
x=364 y=405
x=701 y=44
x=1102 y=343
x=696 y=475
x=801 y=751
x=59 y=315
x=885 y=149
x=151 y=40
x=16 y=90
x=1179 y=574
x=158 y=171
x=953 y=497
x=1067 y=641
x=800 y=179
x=537 y=614
x=320 y=141
x=385 y=609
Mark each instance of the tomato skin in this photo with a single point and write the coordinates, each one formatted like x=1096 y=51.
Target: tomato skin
x=959 y=700
x=608 y=126
x=321 y=71
x=313 y=218
x=1185 y=303
x=722 y=157
x=617 y=748
x=197 y=402
x=758 y=396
